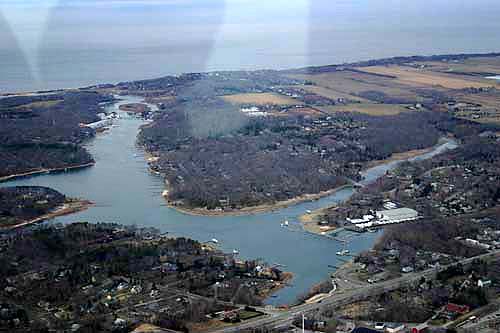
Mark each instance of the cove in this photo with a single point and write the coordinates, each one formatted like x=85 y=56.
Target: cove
x=126 y=192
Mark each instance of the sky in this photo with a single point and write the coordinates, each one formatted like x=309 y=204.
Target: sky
x=56 y=42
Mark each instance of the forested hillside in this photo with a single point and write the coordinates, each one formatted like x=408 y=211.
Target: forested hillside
x=43 y=131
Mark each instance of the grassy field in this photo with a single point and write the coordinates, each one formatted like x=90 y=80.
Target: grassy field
x=260 y=99
x=245 y=315
x=332 y=94
x=389 y=90
x=473 y=66
x=368 y=108
x=345 y=82
x=350 y=84
x=490 y=105
x=415 y=77
x=301 y=111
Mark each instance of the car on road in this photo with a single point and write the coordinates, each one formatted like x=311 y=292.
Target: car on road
x=379 y=326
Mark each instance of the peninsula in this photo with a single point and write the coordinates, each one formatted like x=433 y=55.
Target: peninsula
x=250 y=141
x=21 y=206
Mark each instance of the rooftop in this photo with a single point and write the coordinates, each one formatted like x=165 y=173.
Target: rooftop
x=393 y=213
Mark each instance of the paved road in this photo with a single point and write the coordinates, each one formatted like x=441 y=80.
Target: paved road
x=339 y=298
x=484 y=321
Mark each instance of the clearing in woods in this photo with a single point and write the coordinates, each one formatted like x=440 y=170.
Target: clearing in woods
x=332 y=94
x=371 y=109
x=260 y=99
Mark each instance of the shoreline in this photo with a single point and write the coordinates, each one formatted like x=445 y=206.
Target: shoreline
x=396 y=157
x=310 y=221
x=134 y=108
x=287 y=278
x=42 y=171
x=309 y=68
x=265 y=208
x=67 y=208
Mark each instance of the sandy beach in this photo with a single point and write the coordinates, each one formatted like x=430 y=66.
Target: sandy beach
x=307 y=218
x=255 y=209
x=310 y=221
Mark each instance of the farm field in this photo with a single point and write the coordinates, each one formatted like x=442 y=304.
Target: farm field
x=332 y=94
x=358 y=85
x=489 y=103
x=412 y=76
x=483 y=66
x=260 y=99
x=305 y=111
x=371 y=109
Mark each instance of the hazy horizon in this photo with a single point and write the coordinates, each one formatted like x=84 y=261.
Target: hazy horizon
x=58 y=44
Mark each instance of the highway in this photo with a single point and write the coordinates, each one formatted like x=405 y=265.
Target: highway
x=279 y=318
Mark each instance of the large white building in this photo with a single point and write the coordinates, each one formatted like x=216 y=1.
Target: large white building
x=396 y=215
x=383 y=217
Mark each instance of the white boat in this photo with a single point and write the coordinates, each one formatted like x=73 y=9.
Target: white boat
x=285 y=223
x=235 y=251
x=343 y=253
x=214 y=240
x=308 y=211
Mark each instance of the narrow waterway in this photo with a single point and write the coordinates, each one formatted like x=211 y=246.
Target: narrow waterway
x=126 y=192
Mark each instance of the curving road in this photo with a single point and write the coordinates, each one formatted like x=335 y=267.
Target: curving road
x=280 y=318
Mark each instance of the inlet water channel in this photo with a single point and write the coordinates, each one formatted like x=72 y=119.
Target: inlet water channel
x=126 y=192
